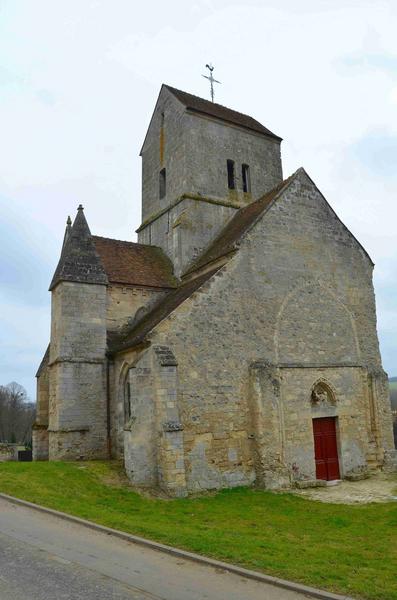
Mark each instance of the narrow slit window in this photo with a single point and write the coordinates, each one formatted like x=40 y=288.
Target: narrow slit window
x=127 y=403
x=231 y=183
x=162 y=182
x=246 y=179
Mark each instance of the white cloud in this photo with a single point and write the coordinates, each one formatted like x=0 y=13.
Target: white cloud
x=82 y=78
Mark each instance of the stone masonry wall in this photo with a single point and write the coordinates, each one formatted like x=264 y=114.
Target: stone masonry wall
x=194 y=149
x=147 y=411
x=350 y=408
x=42 y=397
x=252 y=311
x=124 y=303
x=186 y=230
x=210 y=143
x=164 y=147
x=77 y=390
x=40 y=433
x=140 y=444
x=40 y=450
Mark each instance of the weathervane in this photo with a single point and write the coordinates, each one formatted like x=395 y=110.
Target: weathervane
x=211 y=79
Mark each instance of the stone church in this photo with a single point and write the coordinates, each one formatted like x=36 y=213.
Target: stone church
x=236 y=342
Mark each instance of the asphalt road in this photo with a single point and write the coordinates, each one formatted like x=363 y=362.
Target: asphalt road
x=43 y=557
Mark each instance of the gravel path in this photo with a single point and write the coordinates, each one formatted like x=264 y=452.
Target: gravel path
x=378 y=488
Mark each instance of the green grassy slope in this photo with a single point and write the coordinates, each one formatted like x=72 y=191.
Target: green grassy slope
x=346 y=549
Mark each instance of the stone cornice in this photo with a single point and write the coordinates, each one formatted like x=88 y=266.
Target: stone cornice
x=81 y=429
x=188 y=196
x=259 y=364
x=87 y=361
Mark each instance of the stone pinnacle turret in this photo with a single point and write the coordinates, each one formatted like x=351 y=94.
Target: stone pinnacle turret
x=79 y=260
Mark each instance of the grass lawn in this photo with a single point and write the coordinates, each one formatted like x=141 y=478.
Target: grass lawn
x=343 y=548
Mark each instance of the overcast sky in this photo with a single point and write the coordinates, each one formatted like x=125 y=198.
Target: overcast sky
x=78 y=83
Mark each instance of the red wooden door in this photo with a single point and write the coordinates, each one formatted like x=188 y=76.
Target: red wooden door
x=326 y=449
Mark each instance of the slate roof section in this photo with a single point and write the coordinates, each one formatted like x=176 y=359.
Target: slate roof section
x=79 y=260
x=200 y=105
x=233 y=231
x=132 y=335
x=135 y=264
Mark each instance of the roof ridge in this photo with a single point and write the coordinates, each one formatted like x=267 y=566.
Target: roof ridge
x=238 y=112
x=219 y=111
x=101 y=237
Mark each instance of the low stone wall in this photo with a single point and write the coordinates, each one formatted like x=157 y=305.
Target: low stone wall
x=9 y=452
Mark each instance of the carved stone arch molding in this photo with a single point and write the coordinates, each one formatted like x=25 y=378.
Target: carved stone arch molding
x=313 y=325
x=323 y=394
x=127 y=365
x=122 y=386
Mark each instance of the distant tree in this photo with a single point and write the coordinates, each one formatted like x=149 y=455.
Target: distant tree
x=17 y=414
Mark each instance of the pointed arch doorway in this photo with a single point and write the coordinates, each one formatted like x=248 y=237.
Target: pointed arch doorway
x=326 y=448
x=324 y=411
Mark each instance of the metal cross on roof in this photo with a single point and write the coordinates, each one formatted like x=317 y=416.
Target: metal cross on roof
x=211 y=79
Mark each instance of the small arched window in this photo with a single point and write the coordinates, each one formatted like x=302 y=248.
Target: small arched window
x=245 y=172
x=231 y=180
x=162 y=184
x=127 y=403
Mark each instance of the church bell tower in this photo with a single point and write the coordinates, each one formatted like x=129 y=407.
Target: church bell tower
x=200 y=163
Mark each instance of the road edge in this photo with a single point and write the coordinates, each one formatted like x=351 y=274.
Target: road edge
x=179 y=553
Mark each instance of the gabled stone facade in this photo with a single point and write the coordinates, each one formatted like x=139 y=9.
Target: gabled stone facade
x=207 y=356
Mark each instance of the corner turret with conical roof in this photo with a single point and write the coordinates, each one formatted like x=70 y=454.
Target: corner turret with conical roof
x=79 y=260
x=77 y=362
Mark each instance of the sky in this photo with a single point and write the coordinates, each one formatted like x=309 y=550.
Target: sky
x=78 y=83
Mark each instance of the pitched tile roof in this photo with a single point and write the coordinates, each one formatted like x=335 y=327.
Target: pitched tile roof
x=200 y=105
x=134 y=334
x=236 y=227
x=79 y=260
x=134 y=264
